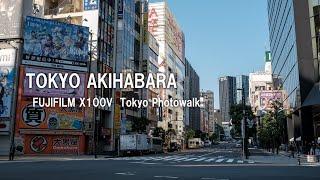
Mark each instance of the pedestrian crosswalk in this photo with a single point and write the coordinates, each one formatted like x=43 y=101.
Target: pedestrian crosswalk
x=189 y=159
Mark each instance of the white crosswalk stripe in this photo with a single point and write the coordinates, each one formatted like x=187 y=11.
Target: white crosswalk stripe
x=210 y=160
x=230 y=160
x=219 y=160
x=181 y=159
x=200 y=159
x=190 y=159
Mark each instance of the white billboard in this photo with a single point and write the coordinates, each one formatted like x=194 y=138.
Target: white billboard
x=10 y=18
x=7 y=75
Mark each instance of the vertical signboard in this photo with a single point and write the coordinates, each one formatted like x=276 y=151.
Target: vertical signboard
x=54 y=44
x=7 y=75
x=11 y=18
x=90 y=5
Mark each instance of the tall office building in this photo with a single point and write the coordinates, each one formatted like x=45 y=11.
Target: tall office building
x=294 y=42
x=227 y=96
x=129 y=60
x=243 y=83
x=207 y=111
x=164 y=27
x=192 y=90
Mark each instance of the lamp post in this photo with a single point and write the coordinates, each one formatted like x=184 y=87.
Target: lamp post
x=244 y=126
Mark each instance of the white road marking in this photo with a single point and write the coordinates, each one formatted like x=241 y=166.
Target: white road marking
x=230 y=160
x=180 y=159
x=219 y=160
x=211 y=159
x=190 y=159
x=167 y=177
x=125 y=174
x=201 y=159
x=142 y=162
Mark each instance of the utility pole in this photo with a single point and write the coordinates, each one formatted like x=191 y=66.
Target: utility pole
x=244 y=126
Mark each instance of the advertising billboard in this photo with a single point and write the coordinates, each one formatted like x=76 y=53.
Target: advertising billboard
x=49 y=118
x=90 y=5
x=267 y=98
x=54 y=44
x=7 y=75
x=11 y=18
x=58 y=144
x=51 y=92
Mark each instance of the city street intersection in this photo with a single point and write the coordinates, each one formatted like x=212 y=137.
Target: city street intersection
x=221 y=162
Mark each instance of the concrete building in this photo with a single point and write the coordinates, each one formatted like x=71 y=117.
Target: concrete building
x=294 y=42
x=264 y=88
x=12 y=13
x=192 y=90
x=207 y=111
x=164 y=27
x=227 y=96
x=129 y=59
x=100 y=17
x=150 y=65
x=242 y=82
x=227 y=129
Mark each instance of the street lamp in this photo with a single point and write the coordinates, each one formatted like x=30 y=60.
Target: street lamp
x=244 y=125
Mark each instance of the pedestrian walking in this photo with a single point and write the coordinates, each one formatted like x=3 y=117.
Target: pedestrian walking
x=291 y=149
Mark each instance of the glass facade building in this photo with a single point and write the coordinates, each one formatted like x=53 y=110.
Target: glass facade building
x=243 y=83
x=294 y=61
x=227 y=96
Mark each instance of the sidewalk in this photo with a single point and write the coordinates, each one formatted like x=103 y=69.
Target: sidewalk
x=54 y=157
x=281 y=159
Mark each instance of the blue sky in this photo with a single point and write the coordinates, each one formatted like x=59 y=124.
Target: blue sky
x=223 y=37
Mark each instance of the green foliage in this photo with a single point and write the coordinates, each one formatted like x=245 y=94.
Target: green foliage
x=159 y=132
x=236 y=114
x=140 y=124
x=272 y=132
x=189 y=134
x=202 y=135
x=214 y=137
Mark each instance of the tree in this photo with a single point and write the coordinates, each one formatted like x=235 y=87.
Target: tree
x=159 y=132
x=214 y=137
x=190 y=134
x=272 y=132
x=236 y=114
x=140 y=124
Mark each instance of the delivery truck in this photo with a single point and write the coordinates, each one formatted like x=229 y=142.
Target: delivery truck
x=133 y=144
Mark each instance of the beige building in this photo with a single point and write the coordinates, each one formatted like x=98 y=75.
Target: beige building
x=164 y=27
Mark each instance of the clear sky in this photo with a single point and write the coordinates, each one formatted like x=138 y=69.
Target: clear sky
x=223 y=37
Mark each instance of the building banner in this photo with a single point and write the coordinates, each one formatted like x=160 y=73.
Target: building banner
x=54 y=44
x=267 y=98
x=7 y=75
x=60 y=144
x=49 y=118
x=67 y=92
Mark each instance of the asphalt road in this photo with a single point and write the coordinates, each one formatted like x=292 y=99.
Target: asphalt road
x=154 y=167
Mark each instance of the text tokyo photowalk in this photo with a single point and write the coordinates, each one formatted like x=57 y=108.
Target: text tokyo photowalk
x=107 y=102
